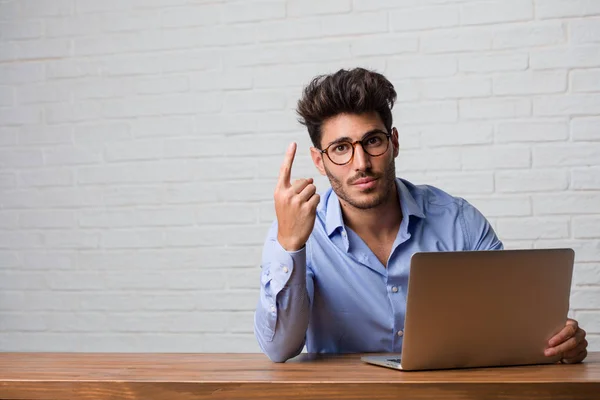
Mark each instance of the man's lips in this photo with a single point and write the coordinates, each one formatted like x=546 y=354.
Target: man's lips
x=362 y=181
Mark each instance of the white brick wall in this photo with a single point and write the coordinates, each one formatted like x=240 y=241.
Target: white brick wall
x=140 y=142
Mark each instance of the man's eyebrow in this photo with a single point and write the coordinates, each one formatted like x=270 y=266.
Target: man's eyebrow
x=348 y=139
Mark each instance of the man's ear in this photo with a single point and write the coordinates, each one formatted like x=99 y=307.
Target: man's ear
x=317 y=158
x=395 y=143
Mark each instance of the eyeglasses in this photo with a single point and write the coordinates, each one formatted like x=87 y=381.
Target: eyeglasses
x=341 y=153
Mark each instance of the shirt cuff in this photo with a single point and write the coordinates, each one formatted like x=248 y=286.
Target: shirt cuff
x=288 y=268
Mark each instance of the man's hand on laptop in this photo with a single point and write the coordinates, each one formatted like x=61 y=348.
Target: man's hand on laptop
x=570 y=342
x=295 y=205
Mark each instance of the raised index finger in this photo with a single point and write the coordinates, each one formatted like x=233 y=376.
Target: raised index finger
x=286 y=168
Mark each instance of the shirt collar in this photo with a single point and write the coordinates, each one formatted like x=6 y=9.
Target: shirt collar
x=408 y=205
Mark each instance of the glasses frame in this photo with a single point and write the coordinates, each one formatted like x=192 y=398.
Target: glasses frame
x=353 y=144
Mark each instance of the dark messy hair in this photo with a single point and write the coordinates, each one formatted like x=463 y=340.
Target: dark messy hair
x=353 y=92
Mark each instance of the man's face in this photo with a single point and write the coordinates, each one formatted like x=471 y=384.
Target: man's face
x=366 y=181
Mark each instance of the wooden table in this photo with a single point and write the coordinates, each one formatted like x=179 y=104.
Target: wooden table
x=88 y=376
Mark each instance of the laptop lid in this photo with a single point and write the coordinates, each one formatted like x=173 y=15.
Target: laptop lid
x=485 y=308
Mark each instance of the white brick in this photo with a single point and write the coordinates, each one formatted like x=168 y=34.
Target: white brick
x=368 y=5
x=42 y=8
x=72 y=155
x=299 y=8
x=585 y=128
x=585 y=178
x=44 y=93
x=585 y=80
x=36 y=135
x=9 y=220
x=48 y=260
x=531 y=181
x=576 y=104
x=533 y=228
x=456 y=134
x=244 y=11
x=208 y=14
x=384 y=45
x=532 y=131
x=568 y=203
x=427 y=112
x=530 y=35
x=51 y=198
x=9 y=260
x=429 y=160
x=104 y=132
x=47 y=219
x=493 y=62
x=27 y=115
x=586 y=274
x=420 y=66
x=294 y=76
x=132 y=195
x=459 y=183
x=221 y=214
x=254 y=101
x=495 y=11
x=233 y=79
x=584 y=154
x=424 y=18
x=589 y=321
x=494 y=108
x=8 y=180
x=514 y=206
x=172 y=84
x=565 y=8
x=585 y=250
x=51 y=48
x=134 y=150
x=133 y=239
x=585 y=298
x=226 y=146
x=18 y=240
x=8 y=135
x=21 y=30
x=21 y=158
x=46 y=177
x=520 y=83
x=571 y=57
x=456 y=87
x=221 y=35
x=289 y=53
x=162 y=126
x=587 y=227
x=101 y=88
x=458 y=40
x=7 y=96
x=71 y=239
x=323 y=26
x=216 y=235
x=9 y=10
x=76 y=112
x=127 y=65
x=59 y=69
x=585 y=31
x=497 y=157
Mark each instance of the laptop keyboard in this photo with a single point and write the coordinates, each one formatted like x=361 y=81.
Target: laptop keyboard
x=396 y=360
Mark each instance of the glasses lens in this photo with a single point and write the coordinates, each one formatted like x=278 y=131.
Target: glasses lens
x=340 y=153
x=376 y=144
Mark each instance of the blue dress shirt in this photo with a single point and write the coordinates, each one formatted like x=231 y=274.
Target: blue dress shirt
x=335 y=296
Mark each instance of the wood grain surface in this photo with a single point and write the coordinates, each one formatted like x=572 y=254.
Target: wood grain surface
x=246 y=376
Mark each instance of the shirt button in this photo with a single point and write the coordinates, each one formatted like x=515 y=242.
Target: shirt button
x=395 y=289
x=400 y=333
x=285 y=269
x=273 y=309
x=344 y=233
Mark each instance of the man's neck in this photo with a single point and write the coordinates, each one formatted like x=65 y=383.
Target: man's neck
x=381 y=222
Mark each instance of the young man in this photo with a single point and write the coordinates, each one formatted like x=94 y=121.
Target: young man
x=335 y=268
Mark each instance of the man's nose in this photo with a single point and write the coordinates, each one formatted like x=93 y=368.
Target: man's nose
x=362 y=160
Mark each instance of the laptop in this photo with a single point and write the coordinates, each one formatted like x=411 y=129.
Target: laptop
x=482 y=309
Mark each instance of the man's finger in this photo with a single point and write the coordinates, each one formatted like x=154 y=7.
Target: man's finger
x=307 y=192
x=286 y=167
x=299 y=184
x=567 y=332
